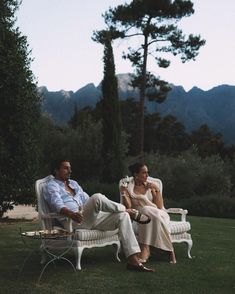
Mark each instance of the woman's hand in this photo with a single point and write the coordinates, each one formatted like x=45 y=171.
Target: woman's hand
x=123 y=189
x=152 y=187
x=157 y=197
x=124 y=192
x=125 y=197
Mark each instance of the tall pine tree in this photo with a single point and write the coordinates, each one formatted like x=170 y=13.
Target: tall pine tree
x=111 y=118
x=20 y=113
x=153 y=26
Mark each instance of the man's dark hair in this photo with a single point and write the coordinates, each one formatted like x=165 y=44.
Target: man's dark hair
x=57 y=163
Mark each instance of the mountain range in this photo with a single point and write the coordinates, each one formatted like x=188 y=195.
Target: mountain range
x=215 y=107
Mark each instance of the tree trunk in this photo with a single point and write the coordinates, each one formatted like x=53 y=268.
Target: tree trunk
x=142 y=99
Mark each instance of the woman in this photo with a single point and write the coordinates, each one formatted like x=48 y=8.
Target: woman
x=147 y=199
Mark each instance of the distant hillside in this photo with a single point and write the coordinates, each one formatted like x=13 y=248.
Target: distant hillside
x=215 y=107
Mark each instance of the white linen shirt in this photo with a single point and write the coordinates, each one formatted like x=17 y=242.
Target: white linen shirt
x=57 y=197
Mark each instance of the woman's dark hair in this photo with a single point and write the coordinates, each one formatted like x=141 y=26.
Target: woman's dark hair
x=135 y=168
x=56 y=164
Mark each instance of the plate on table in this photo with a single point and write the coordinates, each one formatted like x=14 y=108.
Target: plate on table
x=30 y=234
x=53 y=233
x=47 y=234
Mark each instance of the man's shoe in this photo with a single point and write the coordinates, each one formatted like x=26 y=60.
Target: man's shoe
x=139 y=268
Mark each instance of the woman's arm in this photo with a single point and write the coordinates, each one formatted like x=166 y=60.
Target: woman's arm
x=125 y=197
x=157 y=196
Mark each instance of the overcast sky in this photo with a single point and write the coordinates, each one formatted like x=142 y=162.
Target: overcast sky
x=59 y=34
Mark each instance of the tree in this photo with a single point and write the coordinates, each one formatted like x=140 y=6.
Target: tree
x=81 y=144
x=207 y=142
x=81 y=117
x=129 y=114
x=111 y=117
x=20 y=113
x=73 y=122
x=156 y=23
x=172 y=138
x=151 y=138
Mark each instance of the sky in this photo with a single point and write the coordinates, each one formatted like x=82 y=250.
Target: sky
x=65 y=57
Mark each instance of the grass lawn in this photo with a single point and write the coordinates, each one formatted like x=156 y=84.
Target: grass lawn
x=212 y=269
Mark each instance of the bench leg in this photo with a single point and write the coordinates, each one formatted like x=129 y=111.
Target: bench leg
x=118 y=250
x=190 y=244
x=78 y=253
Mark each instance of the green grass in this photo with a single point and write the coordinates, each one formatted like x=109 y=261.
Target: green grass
x=212 y=270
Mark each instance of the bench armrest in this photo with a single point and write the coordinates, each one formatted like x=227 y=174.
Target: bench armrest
x=53 y=215
x=50 y=215
x=181 y=211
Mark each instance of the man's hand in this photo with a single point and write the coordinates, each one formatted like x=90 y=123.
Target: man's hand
x=77 y=217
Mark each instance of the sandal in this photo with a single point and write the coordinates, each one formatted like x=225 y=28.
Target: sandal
x=141 y=218
x=142 y=260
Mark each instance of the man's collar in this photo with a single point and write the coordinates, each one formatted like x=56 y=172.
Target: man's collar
x=61 y=182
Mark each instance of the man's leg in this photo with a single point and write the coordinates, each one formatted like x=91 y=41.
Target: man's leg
x=103 y=214
x=114 y=216
x=96 y=204
x=120 y=220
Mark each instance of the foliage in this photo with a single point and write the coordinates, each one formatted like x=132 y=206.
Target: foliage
x=230 y=164
x=166 y=135
x=208 y=143
x=82 y=146
x=156 y=23
x=20 y=113
x=85 y=150
x=110 y=190
x=54 y=143
x=74 y=120
x=189 y=180
x=129 y=115
x=210 y=205
x=111 y=119
x=188 y=175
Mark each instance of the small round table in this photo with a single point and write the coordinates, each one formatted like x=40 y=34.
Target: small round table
x=50 y=236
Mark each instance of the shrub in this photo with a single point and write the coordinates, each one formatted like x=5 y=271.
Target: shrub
x=111 y=191
x=210 y=206
x=188 y=175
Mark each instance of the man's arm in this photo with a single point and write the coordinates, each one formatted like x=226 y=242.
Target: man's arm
x=75 y=216
x=53 y=198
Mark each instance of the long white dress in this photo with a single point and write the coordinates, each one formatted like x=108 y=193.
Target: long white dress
x=156 y=233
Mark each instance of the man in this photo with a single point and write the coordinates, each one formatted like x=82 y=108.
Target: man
x=66 y=197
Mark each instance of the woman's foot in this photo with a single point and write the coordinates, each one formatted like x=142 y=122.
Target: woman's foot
x=144 y=254
x=172 y=257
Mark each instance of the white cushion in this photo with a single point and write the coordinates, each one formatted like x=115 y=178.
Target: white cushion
x=84 y=235
x=177 y=227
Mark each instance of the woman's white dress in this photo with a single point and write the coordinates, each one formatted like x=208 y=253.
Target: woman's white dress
x=156 y=233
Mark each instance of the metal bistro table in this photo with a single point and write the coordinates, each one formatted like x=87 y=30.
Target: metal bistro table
x=49 y=241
